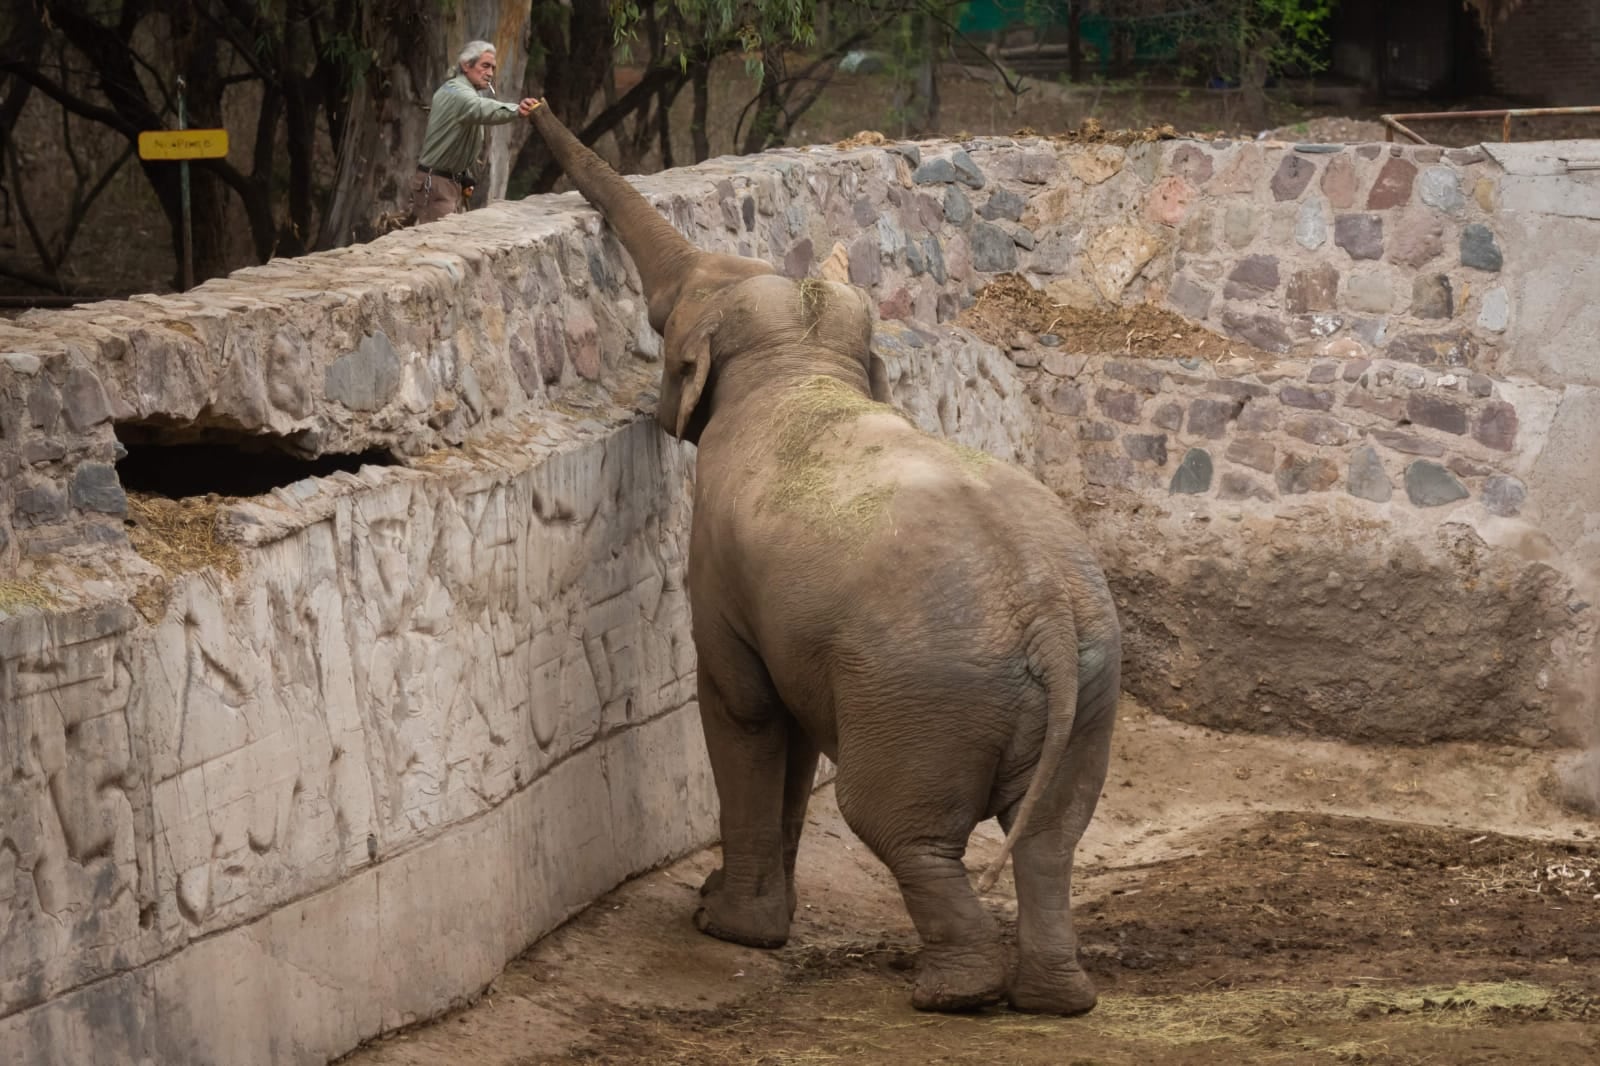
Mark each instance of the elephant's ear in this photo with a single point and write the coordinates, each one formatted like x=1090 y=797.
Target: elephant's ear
x=878 y=378
x=694 y=367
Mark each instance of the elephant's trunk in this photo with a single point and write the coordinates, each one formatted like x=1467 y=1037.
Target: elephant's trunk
x=661 y=254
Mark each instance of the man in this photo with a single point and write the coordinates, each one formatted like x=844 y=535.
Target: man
x=454 y=140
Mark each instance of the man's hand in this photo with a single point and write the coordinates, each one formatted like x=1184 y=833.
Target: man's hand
x=527 y=106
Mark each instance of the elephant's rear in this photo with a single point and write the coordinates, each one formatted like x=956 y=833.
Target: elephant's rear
x=983 y=616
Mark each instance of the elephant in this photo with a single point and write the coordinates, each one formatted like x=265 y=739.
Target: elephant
x=926 y=616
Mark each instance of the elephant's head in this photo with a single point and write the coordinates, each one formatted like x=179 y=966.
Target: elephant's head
x=708 y=306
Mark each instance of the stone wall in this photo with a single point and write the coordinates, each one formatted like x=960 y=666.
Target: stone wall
x=445 y=703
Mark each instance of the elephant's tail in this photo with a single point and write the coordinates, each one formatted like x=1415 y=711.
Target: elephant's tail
x=1054 y=650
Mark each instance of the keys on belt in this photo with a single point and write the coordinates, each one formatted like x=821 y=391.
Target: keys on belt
x=464 y=180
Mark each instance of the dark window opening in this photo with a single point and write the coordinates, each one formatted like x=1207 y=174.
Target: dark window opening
x=180 y=461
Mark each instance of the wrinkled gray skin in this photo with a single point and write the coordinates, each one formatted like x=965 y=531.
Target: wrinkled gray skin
x=928 y=618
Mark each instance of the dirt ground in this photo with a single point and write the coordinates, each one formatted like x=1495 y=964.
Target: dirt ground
x=1239 y=900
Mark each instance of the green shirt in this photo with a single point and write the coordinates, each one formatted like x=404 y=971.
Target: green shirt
x=454 y=139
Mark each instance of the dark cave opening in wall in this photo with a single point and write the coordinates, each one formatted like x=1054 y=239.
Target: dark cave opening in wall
x=178 y=461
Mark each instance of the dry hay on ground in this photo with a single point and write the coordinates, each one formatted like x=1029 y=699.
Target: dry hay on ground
x=17 y=593
x=1088 y=132
x=180 y=536
x=1009 y=305
x=1091 y=132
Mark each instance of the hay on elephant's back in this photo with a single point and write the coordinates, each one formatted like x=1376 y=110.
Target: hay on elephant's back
x=806 y=483
x=180 y=536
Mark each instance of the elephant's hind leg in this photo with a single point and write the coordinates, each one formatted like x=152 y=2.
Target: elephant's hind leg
x=1049 y=978
x=963 y=963
x=749 y=900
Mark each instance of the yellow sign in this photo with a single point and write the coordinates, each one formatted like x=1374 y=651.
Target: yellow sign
x=183 y=144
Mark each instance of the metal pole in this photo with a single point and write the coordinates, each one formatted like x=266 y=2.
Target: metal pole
x=183 y=193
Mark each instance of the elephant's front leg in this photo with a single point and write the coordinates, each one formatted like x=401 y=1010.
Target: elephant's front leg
x=748 y=901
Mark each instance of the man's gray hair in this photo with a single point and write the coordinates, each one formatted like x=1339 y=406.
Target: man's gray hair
x=472 y=50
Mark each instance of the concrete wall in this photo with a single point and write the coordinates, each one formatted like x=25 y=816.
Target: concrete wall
x=444 y=704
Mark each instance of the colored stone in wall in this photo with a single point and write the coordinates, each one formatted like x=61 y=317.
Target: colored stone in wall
x=1252 y=277
x=1236 y=486
x=1258 y=418
x=1310 y=226
x=367 y=378
x=1373 y=293
x=1430 y=485
x=1239 y=225
x=1298 y=474
x=1339 y=183
x=1121 y=405
x=957 y=208
x=1451 y=349
x=1496 y=426
x=1169 y=201
x=1504 y=495
x=1264 y=332
x=1478 y=248
x=1097 y=164
x=39 y=506
x=83 y=400
x=1198 y=234
x=1315 y=289
x=1359 y=235
x=1111 y=471
x=1141 y=376
x=1003 y=203
x=1146 y=447
x=1368 y=479
x=1319 y=429
x=1441 y=188
x=1210 y=418
x=1432 y=296
x=1409 y=443
x=44 y=406
x=1292 y=177
x=1169 y=416
x=797 y=261
x=1191 y=299
x=1253 y=452
x=1495 y=312
x=1310 y=399
x=1097 y=432
x=866 y=267
x=1392 y=187
x=1065 y=399
x=993 y=250
x=1193 y=475
x=1241 y=173
x=1192 y=164
x=1417 y=239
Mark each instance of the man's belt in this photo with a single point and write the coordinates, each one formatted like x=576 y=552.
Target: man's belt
x=463 y=179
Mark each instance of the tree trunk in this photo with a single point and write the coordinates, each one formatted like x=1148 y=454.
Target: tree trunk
x=769 y=126
x=928 y=76
x=1075 y=42
x=702 y=109
x=415 y=43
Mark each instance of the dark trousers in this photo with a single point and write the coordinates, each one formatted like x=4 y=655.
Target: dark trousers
x=433 y=197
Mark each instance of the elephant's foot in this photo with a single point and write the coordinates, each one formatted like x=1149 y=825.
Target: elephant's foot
x=713 y=883
x=950 y=980
x=1038 y=990
x=754 y=921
